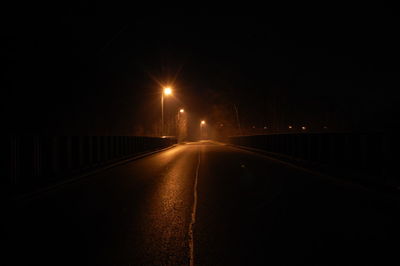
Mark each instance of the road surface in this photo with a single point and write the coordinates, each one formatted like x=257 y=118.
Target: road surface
x=204 y=203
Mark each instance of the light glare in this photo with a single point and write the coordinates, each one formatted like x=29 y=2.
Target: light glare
x=167 y=91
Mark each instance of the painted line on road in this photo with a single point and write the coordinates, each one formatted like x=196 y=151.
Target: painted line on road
x=194 y=209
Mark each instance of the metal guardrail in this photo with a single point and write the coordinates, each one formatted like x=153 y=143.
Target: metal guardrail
x=37 y=160
x=364 y=156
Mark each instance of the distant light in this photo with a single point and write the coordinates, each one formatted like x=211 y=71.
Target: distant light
x=265 y=127
x=303 y=128
x=254 y=126
x=290 y=127
x=221 y=125
x=203 y=122
x=167 y=91
x=182 y=110
x=325 y=127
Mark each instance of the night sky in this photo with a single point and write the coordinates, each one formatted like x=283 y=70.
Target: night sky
x=93 y=69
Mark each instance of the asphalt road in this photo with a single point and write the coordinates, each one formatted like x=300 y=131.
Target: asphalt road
x=204 y=204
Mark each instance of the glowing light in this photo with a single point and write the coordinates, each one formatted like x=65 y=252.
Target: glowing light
x=265 y=127
x=290 y=127
x=303 y=128
x=203 y=122
x=182 y=110
x=325 y=127
x=167 y=91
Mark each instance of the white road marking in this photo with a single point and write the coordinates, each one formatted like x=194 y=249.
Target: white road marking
x=191 y=238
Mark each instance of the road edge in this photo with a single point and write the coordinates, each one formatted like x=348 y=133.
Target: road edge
x=77 y=178
x=295 y=163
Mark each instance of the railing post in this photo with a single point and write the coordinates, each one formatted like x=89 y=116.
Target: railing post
x=37 y=158
x=14 y=160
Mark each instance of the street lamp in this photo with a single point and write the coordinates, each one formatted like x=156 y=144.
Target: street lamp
x=181 y=123
x=180 y=113
x=166 y=91
x=202 y=124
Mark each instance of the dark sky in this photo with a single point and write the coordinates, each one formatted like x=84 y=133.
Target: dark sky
x=92 y=69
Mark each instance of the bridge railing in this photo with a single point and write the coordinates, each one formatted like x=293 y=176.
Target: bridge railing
x=29 y=162
x=367 y=157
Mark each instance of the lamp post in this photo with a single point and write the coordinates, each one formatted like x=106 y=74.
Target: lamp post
x=166 y=91
x=181 y=125
x=202 y=124
x=180 y=114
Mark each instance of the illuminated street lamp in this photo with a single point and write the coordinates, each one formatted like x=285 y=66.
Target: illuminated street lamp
x=202 y=125
x=180 y=113
x=167 y=91
x=181 y=125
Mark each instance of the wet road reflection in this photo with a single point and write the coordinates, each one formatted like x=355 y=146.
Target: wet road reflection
x=250 y=210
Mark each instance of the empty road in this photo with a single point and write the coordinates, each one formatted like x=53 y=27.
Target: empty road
x=204 y=203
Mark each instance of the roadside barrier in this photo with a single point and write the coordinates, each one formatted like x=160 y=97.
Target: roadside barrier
x=34 y=161
x=367 y=157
